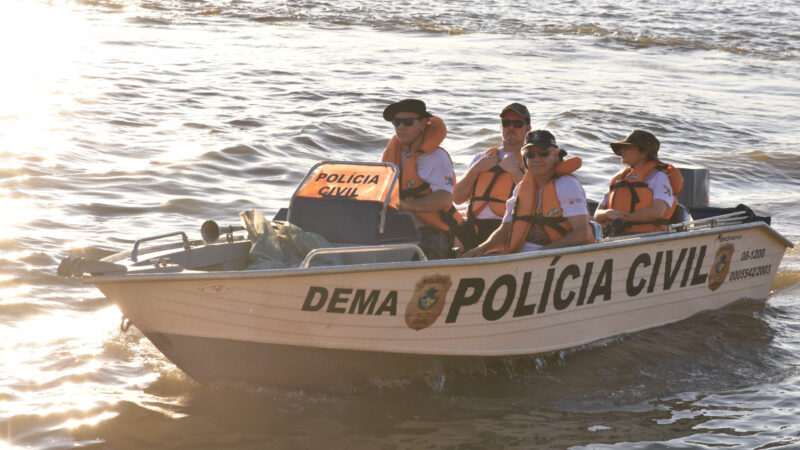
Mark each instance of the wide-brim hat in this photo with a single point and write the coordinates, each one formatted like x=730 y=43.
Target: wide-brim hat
x=640 y=138
x=408 y=105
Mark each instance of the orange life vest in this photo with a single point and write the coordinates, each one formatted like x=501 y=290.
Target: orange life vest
x=629 y=192
x=492 y=188
x=412 y=186
x=548 y=215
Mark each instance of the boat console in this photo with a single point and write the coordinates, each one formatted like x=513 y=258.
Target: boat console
x=355 y=206
x=351 y=203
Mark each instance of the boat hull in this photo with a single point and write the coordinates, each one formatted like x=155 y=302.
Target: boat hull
x=326 y=326
x=214 y=361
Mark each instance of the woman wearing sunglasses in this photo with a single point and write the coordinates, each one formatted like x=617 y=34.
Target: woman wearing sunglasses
x=547 y=209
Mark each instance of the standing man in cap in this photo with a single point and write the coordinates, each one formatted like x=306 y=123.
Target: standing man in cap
x=491 y=177
x=548 y=207
x=427 y=179
x=641 y=197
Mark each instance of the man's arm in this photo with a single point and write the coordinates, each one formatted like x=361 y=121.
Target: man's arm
x=435 y=201
x=511 y=165
x=649 y=214
x=581 y=233
x=495 y=242
x=466 y=184
x=604 y=216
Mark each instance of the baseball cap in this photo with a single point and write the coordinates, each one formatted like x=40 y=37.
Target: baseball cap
x=540 y=138
x=518 y=108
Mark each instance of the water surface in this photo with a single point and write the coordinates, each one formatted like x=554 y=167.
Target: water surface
x=123 y=119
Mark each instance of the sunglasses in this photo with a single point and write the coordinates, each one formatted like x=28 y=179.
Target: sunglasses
x=534 y=152
x=509 y=122
x=407 y=121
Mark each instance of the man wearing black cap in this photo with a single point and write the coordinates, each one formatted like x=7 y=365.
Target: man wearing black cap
x=491 y=178
x=548 y=207
x=426 y=174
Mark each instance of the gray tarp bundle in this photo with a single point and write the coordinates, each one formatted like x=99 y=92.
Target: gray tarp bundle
x=278 y=245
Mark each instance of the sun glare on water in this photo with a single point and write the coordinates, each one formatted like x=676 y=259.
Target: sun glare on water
x=38 y=44
x=65 y=368
x=41 y=73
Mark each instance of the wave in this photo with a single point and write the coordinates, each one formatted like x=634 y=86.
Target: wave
x=739 y=42
x=681 y=26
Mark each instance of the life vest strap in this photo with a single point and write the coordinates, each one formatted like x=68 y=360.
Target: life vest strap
x=552 y=222
x=489 y=199
x=449 y=219
x=415 y=191
x=498 y=172
x=631 y=185
x=653 y=222
x=447 y=215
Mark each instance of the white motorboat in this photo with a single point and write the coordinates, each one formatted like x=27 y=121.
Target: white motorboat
x=383 y=311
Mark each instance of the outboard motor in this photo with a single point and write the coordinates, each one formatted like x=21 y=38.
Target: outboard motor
x=695 y=186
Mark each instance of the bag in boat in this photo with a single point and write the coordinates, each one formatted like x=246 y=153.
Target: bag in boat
x=279 y=245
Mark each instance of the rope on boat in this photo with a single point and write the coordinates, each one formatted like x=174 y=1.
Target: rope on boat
x=710 y=222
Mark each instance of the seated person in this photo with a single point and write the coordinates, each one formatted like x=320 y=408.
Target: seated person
x=548 y=208
x=491 y=177
x=427 y=179
x=641 y=197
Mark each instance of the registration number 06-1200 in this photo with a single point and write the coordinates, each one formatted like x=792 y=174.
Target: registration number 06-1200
x=753 y=254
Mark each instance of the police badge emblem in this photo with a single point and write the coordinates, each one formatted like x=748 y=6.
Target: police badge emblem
x=427 y=301
x=720 y=266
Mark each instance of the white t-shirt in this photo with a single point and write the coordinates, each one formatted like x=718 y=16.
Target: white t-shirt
x=571 y=197
x=436 y=169
x=487 y=213
x=658 y=182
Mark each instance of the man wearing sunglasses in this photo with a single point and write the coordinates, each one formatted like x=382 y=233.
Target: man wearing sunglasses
x=548 y=207
x=491 y=177
x=427 y=179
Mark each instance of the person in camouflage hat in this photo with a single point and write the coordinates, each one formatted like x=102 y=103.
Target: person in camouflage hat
x=644 y=140
x=642 y=197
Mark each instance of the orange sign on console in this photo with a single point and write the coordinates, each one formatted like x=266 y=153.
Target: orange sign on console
x=352 y=182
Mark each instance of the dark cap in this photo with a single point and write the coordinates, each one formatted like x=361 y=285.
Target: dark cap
x=540 y=138
x=640 y=138
x=408 y=105
x=518 y=108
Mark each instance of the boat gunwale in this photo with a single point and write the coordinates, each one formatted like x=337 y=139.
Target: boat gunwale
x=656 y=237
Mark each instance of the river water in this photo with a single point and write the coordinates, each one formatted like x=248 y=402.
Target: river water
x=128 y=118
